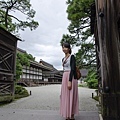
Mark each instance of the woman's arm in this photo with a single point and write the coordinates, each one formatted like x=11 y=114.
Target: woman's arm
x=73 y=66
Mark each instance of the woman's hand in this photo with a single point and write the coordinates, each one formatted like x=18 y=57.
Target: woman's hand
x=69 y=85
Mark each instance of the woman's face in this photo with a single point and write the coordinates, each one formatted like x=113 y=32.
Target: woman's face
x=65 y=50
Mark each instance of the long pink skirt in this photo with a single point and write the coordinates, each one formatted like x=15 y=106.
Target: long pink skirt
x=69 y=101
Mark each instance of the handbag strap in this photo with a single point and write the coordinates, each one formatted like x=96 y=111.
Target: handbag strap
x=65 y=60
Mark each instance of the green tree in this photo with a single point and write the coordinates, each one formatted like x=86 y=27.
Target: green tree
x=12 y=23
x=79 y=16
x=18 y=69
x=11 y=26
x=22 y=60
x=86 y=56
x=79 y=32
x=29 y=57
x=91 y=79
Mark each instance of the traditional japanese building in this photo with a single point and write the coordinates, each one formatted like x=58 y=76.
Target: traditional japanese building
x=53 y=75
x=39 y=73
x=84 y=73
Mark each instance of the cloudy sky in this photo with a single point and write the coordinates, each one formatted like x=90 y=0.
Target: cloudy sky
x=44 y=42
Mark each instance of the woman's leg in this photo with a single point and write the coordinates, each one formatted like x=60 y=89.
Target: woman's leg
x=72 y=117
x=68 y=118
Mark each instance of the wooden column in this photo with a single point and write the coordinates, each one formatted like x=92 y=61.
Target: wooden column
x=108 y=36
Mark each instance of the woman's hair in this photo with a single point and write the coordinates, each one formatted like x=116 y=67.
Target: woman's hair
x=67 y=45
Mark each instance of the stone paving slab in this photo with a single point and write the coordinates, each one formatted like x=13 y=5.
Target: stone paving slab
x=26 y=114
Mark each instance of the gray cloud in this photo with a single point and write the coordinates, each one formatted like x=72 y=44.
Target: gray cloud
x=44 y=42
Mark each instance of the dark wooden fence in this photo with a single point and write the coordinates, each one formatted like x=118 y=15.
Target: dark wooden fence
x=8 y=44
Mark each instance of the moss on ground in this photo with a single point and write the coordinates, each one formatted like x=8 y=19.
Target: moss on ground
x=20 y=92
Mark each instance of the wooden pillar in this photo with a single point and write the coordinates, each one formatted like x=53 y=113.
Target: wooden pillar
x=108 y=36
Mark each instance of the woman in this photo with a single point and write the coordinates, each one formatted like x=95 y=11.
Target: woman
x=69 y=89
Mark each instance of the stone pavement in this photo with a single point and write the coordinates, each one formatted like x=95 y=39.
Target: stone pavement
x=43 y=104
x=26 y=114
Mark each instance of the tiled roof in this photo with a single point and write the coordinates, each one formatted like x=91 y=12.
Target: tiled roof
x=21 y=50
x=47 y=65
x=84 y=72
x=43 y=67
x=42 y=64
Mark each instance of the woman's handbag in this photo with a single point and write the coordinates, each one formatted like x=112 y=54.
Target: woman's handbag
x=65 y=60
x=78 y=73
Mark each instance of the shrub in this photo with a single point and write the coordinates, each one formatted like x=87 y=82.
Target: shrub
x=80 y=85
x=6 y=99
x=93 y=83
x=20 y=92
x=91 y=79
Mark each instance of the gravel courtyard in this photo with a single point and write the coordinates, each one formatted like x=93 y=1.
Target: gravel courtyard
x=47 y=98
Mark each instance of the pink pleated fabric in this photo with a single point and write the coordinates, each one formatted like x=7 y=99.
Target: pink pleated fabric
x=69 y=101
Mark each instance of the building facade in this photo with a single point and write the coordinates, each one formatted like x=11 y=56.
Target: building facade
x=39 y=73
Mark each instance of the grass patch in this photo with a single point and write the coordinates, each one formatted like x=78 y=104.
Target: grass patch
x=82 y=85
x=20 y=92
x=96 y=98
x=17 y=96
x=6 y=99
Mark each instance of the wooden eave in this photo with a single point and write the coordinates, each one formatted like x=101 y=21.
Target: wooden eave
x=8 y=34
x=38 y=65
